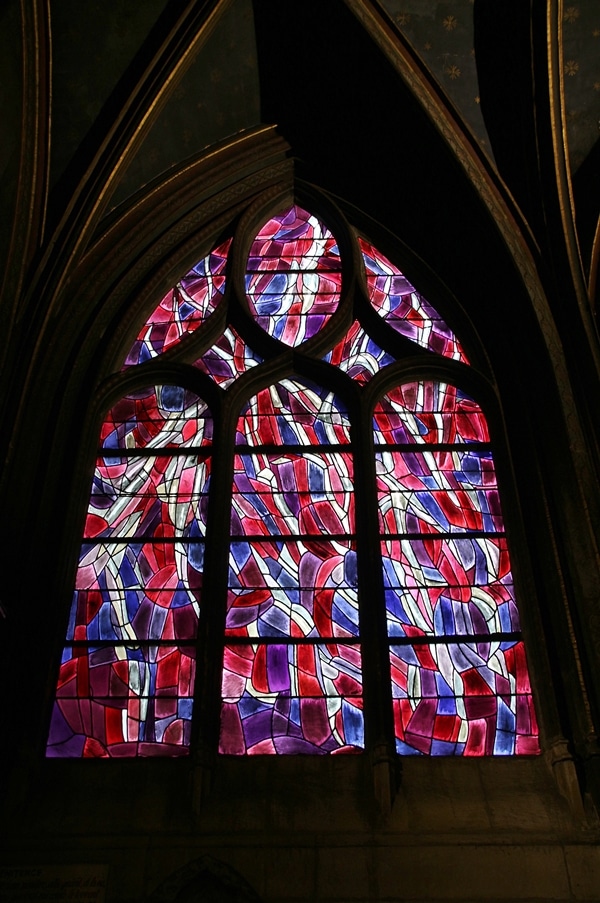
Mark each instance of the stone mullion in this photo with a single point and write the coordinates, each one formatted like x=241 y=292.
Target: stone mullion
x=206 y=722
x=379 y=730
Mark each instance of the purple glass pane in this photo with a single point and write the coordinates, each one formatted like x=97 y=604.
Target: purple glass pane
x=137 y=591
x=448 y=586
x=428 y=412
x=290 y=699
x=470 y=699
x=292 y=413
x=136 y=582
x=228 y=358
x=157 y=417
x=437 y=491
x=293 y=494
x=155 y=495
x=123 y=701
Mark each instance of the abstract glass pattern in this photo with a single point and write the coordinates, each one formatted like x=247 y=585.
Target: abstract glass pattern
x=358 y=355
x=126 y=681
x=406 y=311
x=293 y=276
x=460 y=684
x=228 y=358
x=292 y=664
x=428 y=412
x=291 y=699
x=184 y=308
x=292 y=413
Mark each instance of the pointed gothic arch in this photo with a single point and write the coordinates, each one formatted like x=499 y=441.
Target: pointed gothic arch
x=205 y=880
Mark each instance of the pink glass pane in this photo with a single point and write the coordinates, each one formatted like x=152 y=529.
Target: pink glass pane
x=358 y=355
x=291 y=699
x=428 y=412
x=139 y=580
x=137 y=591
x=184 y=308
x=228 y=358
x=293 y=277
x=292 y=578
x=406 y=311
x=437 y=492
x=293 y=413
x=123 y=701
x=459 y=677
x=444 y=587
x=152 y=495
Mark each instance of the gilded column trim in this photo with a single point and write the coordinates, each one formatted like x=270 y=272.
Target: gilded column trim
x=254 y=142
x=76 y=226
x=120 y=142
x=32 y=186
x=560 y=147
x=515 y=232
x=496 y=197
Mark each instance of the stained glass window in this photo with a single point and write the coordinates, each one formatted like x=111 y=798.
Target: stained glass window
x=459 y=679
x=184 y=308
x=292 y=678
x=228 y=358
x=358 y=355
x=300 y=581
x=127 y=675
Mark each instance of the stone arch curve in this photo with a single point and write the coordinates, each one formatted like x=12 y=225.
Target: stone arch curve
x=205 y=880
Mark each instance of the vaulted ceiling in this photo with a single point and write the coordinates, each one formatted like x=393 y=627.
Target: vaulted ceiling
x=94 y=46
x=442 y=33
x=255 y=55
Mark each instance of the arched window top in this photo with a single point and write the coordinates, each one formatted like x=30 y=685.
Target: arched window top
x=430 y=412
x=293 y=286
x=294 y=413
x=157 y=417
